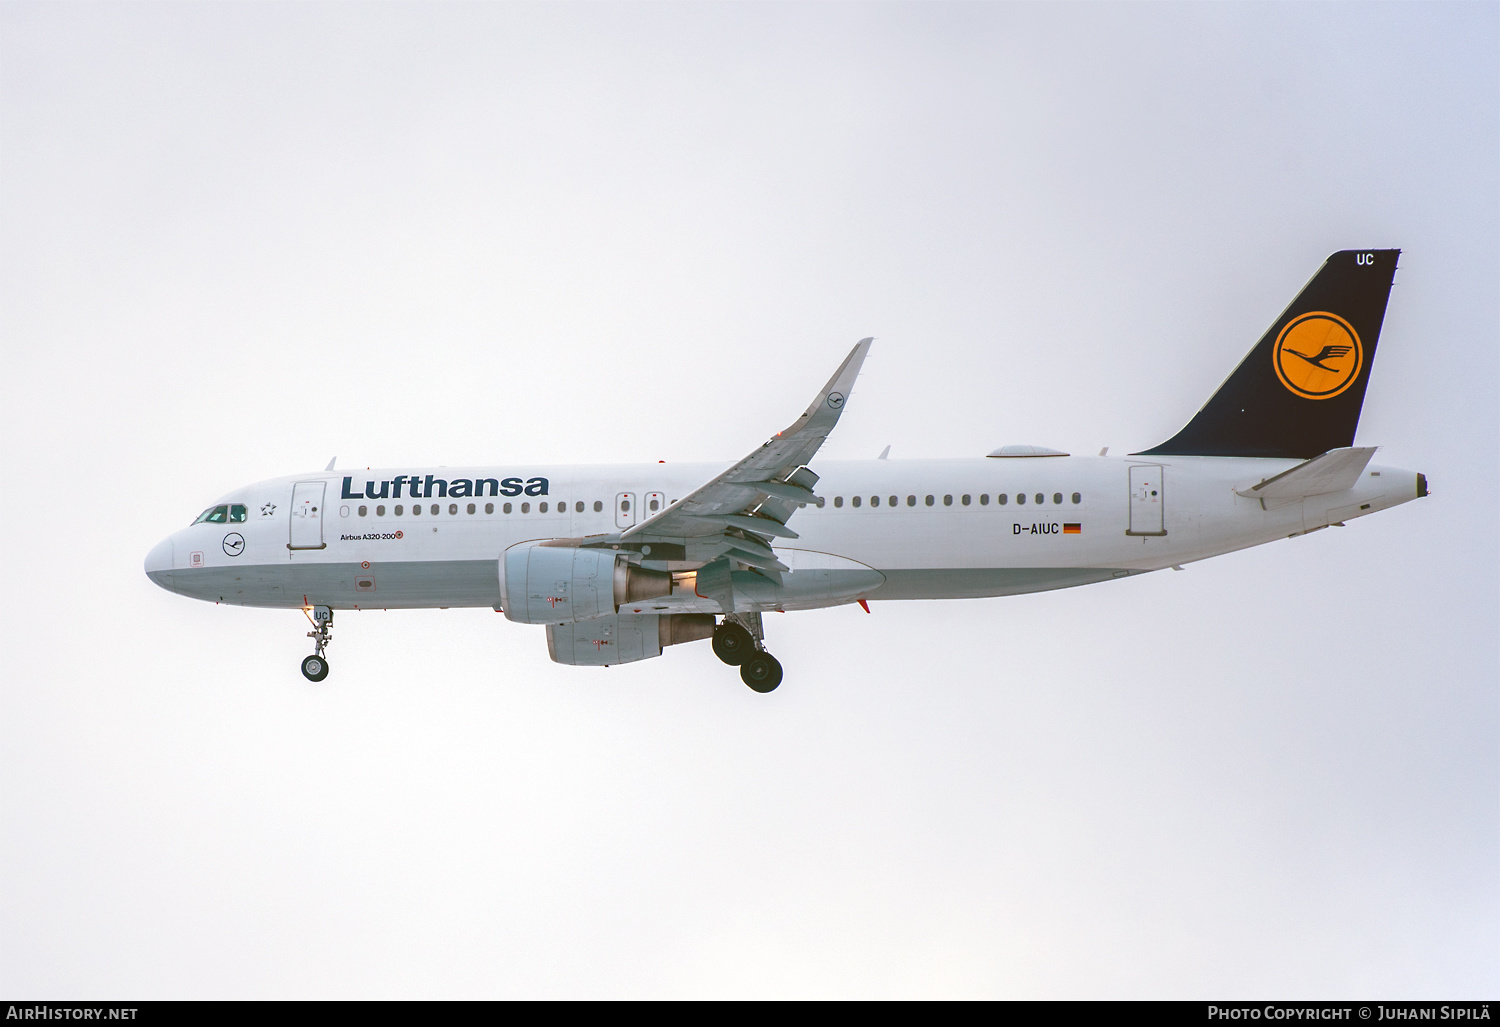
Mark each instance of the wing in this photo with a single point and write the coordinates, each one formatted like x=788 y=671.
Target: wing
x=737 y=513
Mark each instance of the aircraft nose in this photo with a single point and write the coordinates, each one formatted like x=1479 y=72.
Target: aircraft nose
x=159 y=564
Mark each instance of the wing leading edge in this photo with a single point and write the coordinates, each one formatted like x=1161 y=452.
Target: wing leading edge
x=750 y=503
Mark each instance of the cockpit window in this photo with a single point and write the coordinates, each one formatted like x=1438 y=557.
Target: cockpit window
x=214 y=515
x=237 y=514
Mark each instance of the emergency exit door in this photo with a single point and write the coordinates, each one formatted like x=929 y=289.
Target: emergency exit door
x=307 y=515
x=1146 y=500
x=625 y=510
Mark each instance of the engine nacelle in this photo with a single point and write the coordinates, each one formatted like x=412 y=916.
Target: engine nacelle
x=548 y=584
x=610 y=641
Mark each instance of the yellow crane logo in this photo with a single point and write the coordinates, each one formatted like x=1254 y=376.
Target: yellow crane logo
x=1317 y=355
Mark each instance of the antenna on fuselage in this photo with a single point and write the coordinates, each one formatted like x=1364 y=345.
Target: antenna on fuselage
x=330 y=464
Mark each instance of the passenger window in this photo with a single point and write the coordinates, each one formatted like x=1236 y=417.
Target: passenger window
x=655 y=504
x=947 y=500
x=964 y=500
x=1040 y=499
x=984 y=499
x=855 y=501
x=1057 y=499
x=506 y=508
x=435 y=509
x=364 y=511
x=471 y=508
x=418 y=509
x=237 y=514
x=929 y=500
x=489 y=508
x=541 y=508
x=1077 y=498
x=526 y=508
x=1021 y=498
x=598 y=506
x=838 y=501
x=578 y=507
x=1001 y=499
x=380 y=511
x=874 y=500
x=911 y=500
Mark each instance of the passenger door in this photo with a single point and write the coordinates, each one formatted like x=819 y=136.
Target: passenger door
x=307 y=515
x=1146 y=501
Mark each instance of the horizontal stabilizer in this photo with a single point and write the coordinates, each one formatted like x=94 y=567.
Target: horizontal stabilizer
x=1333 y=471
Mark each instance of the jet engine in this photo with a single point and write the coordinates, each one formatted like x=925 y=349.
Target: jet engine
x=609 y=641
x=551 y=584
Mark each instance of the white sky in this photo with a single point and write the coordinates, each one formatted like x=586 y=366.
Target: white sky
x=239 y=239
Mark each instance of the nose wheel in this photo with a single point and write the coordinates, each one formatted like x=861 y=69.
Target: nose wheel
x=315 y=667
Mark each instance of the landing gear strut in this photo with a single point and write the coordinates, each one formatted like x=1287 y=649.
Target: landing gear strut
x=315 y=667
x=740 y=642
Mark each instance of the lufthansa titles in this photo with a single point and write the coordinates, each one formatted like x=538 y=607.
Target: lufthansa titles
x=428 y=486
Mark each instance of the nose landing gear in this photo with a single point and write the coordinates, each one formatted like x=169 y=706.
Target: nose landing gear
x=315 y=667
x=740 y=642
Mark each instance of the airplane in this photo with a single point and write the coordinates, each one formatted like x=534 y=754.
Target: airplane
x=618 y=563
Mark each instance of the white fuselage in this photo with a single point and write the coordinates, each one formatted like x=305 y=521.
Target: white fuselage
x=928 y=529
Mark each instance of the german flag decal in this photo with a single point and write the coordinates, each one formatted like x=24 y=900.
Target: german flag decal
x=1072 y=529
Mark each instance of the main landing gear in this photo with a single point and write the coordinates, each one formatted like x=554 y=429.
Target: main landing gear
x=739 y=642
x=315 y=667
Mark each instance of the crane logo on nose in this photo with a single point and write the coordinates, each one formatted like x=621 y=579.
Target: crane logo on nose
x=234 y=544
x=1317 y=355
